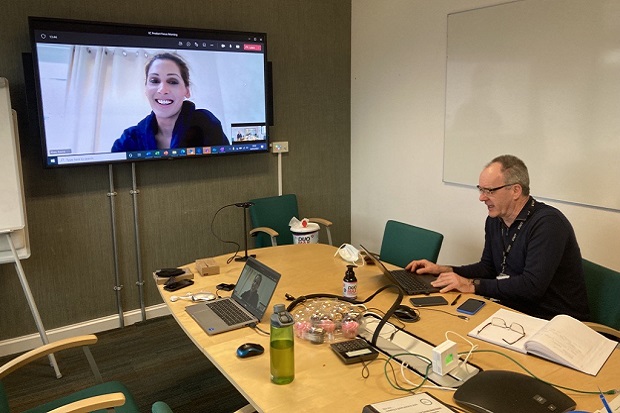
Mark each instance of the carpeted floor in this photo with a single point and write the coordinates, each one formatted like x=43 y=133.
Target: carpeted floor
x=154 y=359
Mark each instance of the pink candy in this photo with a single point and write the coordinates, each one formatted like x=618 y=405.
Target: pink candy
x=349 y=328
x=301 y=327
x=327 y=325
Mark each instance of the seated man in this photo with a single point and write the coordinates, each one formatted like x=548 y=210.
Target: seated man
x=531 y=260
x=251 y=295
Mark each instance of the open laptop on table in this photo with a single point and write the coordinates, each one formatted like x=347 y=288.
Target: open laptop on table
x=411 y=283
x=247 y=304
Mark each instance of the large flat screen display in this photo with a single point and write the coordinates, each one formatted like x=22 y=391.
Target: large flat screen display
x=122 y=93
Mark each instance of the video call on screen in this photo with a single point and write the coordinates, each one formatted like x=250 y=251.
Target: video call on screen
x=91 y=88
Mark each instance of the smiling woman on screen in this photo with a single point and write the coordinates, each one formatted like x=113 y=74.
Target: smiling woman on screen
x=174 y=122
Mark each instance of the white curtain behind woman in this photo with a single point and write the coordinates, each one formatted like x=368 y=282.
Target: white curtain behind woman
x=105 y=95
x=83 y=90
x=123 y=104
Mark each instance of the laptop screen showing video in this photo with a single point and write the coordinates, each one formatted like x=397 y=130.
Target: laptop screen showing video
x=255 y=287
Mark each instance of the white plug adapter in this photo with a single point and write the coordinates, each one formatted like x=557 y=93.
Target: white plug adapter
x=445 y=357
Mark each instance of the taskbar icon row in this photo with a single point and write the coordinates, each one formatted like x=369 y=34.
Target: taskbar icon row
x=90 y=158
x=198 y=151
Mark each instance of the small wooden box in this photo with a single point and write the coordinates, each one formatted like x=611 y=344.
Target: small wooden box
x=207 y=266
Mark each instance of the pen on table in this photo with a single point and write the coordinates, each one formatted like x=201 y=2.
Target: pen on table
x=602 y=396
x=455 y=300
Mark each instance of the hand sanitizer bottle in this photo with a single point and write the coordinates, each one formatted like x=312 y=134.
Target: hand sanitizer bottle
x=349 y=283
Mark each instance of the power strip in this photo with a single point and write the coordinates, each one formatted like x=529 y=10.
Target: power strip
x=394 y=341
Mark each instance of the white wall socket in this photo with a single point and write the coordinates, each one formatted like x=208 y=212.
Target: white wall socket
x=279 y=147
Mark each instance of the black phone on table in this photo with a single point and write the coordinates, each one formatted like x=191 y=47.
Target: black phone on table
x=471 y=306
x=169 y=272
x=428 y=301
x=177 y=285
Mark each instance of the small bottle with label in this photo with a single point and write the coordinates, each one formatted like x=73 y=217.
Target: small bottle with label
x=349 y=283
x=281 y=346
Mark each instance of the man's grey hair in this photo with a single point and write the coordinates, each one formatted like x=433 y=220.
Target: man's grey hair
x=514 y=171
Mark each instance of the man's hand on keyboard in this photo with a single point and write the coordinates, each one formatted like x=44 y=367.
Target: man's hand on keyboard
x=427 y=267
x=449 y=281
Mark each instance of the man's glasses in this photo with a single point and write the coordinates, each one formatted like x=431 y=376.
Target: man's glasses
x=490 y=191
x=499 y=322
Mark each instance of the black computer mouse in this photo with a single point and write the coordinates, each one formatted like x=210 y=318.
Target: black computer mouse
x=406 y=314
x=249 y=350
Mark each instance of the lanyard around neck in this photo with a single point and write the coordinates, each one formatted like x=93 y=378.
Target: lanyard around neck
x=512 y=240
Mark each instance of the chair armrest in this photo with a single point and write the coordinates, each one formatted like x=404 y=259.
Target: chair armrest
x=160 y=407
x=272 y=233
x=601 y=328
x=266 y=230
x=104 y=401
x=42 y=351
x=326 y=224
x=321 y=221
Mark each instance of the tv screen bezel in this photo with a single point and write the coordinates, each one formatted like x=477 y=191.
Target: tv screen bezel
x=168 y=33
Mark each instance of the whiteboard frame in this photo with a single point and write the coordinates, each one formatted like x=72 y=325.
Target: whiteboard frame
x=17 y=225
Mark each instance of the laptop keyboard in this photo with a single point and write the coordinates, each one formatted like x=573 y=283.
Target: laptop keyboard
x=229 y=312
x=410 y=283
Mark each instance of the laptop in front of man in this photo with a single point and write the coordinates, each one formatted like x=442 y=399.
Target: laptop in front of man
x=247 y=304
x=411 y=283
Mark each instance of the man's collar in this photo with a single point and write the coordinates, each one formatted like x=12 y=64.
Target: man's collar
x=525 y=211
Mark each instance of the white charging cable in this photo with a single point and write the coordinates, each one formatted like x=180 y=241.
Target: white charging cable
x=472 y=348
x=404 y=366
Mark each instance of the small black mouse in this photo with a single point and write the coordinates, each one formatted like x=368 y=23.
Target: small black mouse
x=249 y=350
x=406 y=314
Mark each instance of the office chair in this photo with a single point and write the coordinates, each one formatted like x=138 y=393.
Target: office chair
x=403 y=243
x=105 y=395
x=270 y=218
x=603 y=285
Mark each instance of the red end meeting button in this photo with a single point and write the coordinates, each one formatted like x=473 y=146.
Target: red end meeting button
x=253 y=47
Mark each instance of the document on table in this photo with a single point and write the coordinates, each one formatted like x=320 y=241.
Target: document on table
x=563 y=339
x=614 y=405
x=417 y=403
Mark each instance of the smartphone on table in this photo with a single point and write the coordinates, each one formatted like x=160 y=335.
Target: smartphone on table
x=471 y=306
x=177 y=285
x=428 y=301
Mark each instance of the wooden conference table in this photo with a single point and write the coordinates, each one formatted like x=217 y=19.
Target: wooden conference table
x=322 y=382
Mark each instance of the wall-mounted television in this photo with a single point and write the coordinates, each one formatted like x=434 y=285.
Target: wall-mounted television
x=109 y=92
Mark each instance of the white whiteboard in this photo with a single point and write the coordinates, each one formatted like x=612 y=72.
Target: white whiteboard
x=12 y=201
x=539 y=79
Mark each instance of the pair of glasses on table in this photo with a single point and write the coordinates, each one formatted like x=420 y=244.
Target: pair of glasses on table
x=501 y=323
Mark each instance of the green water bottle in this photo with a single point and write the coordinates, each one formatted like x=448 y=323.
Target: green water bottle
x=281 y=349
